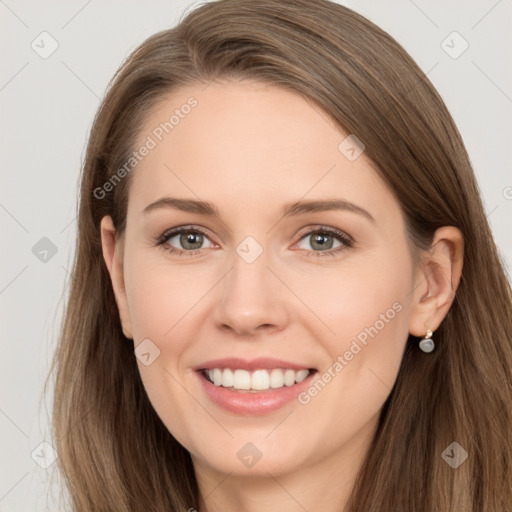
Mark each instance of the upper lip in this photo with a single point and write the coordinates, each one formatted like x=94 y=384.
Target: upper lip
x=251 y=365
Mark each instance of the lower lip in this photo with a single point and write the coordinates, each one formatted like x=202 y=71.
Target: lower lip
x=253 y=404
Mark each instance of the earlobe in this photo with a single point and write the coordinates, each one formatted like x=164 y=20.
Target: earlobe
x=111 y=248
x=437 y=281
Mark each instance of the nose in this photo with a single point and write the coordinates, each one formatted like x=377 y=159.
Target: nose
x=252 y=299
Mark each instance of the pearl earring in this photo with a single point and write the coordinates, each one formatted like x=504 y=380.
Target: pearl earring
x=427 y=343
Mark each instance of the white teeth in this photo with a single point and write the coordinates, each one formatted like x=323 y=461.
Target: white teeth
x=276 y=378
x=289 y=377
x=257 y=380
x=301 y=375
x=260 y=379
x=227 y=378
x=241 y=379
x=217 y=377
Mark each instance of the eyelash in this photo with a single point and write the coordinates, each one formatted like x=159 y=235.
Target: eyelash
x=336 y=233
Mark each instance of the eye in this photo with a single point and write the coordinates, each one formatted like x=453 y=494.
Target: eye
x=190 y=239
x=324 y=239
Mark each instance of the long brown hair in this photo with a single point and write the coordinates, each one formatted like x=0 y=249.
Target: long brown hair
x=114 y=451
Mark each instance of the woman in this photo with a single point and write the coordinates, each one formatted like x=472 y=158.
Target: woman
x=286 y=295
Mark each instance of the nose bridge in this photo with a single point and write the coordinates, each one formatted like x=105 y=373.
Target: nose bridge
x=250 y=294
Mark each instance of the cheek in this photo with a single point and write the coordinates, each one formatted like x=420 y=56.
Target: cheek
x=366 y=305
x=367 y=308
x=354 y=297
x=161 y=300
x=373 y=301
x=160 y=294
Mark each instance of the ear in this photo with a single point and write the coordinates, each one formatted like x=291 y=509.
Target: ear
x=112 y=251
x=437 y=280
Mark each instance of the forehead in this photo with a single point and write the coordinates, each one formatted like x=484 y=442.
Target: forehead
x=248 y=144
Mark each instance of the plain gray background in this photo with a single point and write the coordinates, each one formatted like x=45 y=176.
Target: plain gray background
x=47 y=108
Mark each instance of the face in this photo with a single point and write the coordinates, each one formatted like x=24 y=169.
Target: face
x=325 y=290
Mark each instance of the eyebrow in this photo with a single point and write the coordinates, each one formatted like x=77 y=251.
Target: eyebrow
x=288 y=210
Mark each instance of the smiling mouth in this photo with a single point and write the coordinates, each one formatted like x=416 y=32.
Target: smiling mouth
x=255 y=381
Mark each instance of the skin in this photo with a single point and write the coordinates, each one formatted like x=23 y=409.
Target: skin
x=249 y=148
